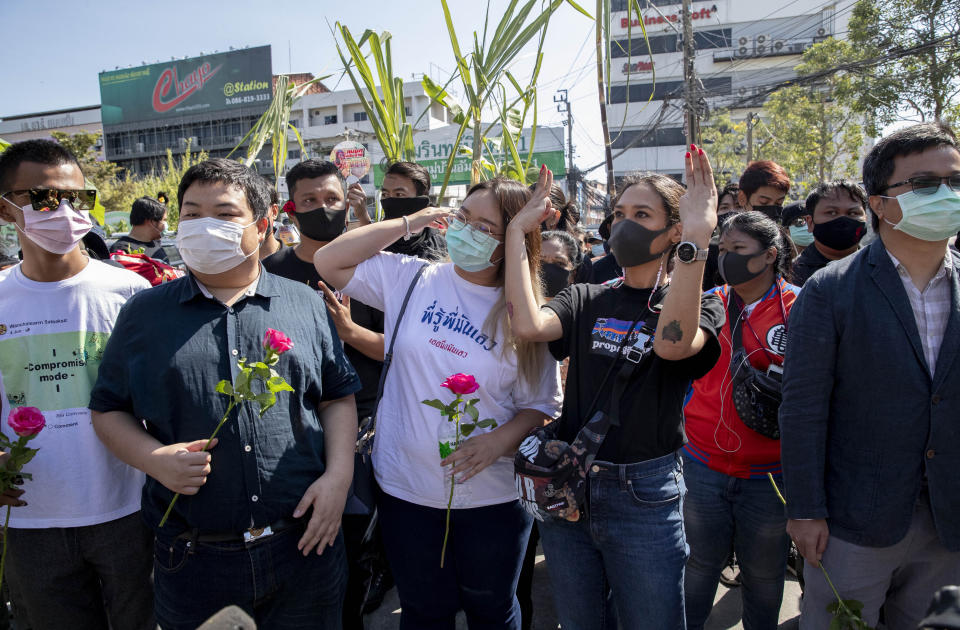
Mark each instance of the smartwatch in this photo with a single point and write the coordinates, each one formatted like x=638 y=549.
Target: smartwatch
x=688 y=252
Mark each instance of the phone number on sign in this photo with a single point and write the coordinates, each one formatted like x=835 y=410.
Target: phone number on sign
x=239 y=100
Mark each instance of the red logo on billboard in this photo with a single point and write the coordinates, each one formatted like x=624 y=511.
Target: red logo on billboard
x=182 y=89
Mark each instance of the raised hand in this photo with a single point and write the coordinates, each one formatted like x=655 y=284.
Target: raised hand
x=698 y=206
x=539 y=207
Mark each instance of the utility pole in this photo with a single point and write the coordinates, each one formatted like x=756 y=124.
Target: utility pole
x=602 y=94
x=751 y=118
x=691 y=97
x=560 y=98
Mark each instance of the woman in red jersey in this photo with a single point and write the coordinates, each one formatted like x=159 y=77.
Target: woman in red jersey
x=730 y=502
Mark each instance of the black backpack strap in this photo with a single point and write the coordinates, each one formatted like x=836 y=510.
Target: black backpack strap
x=388 y=356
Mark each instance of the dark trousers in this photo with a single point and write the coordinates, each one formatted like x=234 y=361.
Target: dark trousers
x=479 y=576
x=83 y=577
x=525 y=584
x=269 y=578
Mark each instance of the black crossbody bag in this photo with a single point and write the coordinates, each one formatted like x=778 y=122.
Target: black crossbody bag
x=756 y=394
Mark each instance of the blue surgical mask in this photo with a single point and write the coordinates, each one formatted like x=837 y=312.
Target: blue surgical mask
x=931 y=218
x=800 y=236
x=469 y=248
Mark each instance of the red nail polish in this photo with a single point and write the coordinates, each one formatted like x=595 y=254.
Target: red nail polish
x=693 y=147
x=701 y=151
x=688 y=154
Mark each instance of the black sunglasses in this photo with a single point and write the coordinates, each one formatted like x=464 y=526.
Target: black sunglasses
x=48 y=199
x=928 y=184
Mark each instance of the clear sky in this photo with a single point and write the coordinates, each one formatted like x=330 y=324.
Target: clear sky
x=53 y=50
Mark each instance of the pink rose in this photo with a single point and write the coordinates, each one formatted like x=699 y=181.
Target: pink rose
x=26 y=421
x=276 y=341
x=461 y=384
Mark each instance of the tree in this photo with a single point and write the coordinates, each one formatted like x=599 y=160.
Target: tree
x=920 y=86
x=725 y=141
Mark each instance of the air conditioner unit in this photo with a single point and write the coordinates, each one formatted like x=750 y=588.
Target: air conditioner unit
x=762 y=40
x=797 y=48
x=139 y=147
x=194 y=141
x=821 y=32
x=778 y=45
x=237 y=139
x=743 y=41
x=743 y=51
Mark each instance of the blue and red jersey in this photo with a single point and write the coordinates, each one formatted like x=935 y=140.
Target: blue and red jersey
x=717 y=437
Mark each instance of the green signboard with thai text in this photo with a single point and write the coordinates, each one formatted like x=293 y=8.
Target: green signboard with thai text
x=461 y=167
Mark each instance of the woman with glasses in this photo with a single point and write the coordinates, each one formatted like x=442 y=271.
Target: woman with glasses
x=456 y=321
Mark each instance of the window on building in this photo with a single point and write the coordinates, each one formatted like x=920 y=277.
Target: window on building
x=621 y=5
x=657 y=137
x=407 y=110
x=359 y=116
x=330 y=120
x=642 y=92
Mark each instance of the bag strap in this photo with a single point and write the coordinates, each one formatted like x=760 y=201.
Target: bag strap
x=388 y=356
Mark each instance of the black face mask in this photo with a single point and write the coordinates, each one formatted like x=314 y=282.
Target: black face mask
x=840 y=233
x=733 y=267
x=322 y=224
x=555 y=278
x=630 y=243
x=396 y=207
x=772 y=212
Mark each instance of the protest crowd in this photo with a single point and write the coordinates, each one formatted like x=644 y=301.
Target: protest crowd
x=714 y=385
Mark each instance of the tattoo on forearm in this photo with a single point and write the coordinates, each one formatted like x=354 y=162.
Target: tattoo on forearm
x=672 y=332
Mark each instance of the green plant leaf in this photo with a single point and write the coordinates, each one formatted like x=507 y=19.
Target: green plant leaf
x=436 y=404
x=467 y=428
x=487 y=423
x=278 y=384
x=265 y=400
x=225 y=387
x=472 y=410
x=445 y=449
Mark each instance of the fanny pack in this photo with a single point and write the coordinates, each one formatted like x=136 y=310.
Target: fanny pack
x=756 y=394
x=551 y=475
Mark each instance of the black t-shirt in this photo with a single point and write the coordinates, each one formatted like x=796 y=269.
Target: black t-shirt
x=285 y=263
x=153 y=249
x=807 y=263
x=430 y=245
x=595 y=319
x=604 y=269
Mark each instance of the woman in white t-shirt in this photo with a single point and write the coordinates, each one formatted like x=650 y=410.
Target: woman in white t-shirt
x=456 y=322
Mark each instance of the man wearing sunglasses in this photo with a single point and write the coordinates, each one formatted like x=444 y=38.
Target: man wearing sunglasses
x=76 y=538
x=871 y=385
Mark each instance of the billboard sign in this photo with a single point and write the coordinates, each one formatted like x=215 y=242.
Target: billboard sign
x=187 y=86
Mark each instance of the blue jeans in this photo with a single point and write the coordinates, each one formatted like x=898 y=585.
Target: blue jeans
x=723 y=512
x=270 y=579
x=480 y=571
x=631 y=541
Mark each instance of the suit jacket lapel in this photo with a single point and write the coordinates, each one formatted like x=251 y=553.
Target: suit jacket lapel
x=891 y=287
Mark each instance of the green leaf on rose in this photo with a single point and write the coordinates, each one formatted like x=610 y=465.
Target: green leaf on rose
x=445 y=450
x=488 y=423
x=473 y=412
x=466 y=429
x=225 y=387
x=436 y=404
x=278 y=384
x=265 y=400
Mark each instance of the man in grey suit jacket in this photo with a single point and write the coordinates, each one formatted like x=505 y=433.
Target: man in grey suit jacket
x=870 y=433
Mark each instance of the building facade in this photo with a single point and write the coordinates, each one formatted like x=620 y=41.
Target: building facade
x=743 y=47
x=40 y=125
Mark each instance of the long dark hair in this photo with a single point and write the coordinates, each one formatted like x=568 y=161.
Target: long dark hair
x=765 y=231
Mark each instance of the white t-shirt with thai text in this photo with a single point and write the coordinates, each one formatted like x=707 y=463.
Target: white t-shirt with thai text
x=52 y=337
x=440 y=335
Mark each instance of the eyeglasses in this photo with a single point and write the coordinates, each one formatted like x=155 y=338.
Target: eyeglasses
x=458 y=222
x=798 y=222
x=928 y=184
x=48 y=199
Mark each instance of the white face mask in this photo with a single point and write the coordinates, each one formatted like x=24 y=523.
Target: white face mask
x=58 y=231
x=211 y=245
x=932 y=218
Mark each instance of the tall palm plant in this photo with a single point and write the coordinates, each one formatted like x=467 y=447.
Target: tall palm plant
x=482 y=72
x=274 y=124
